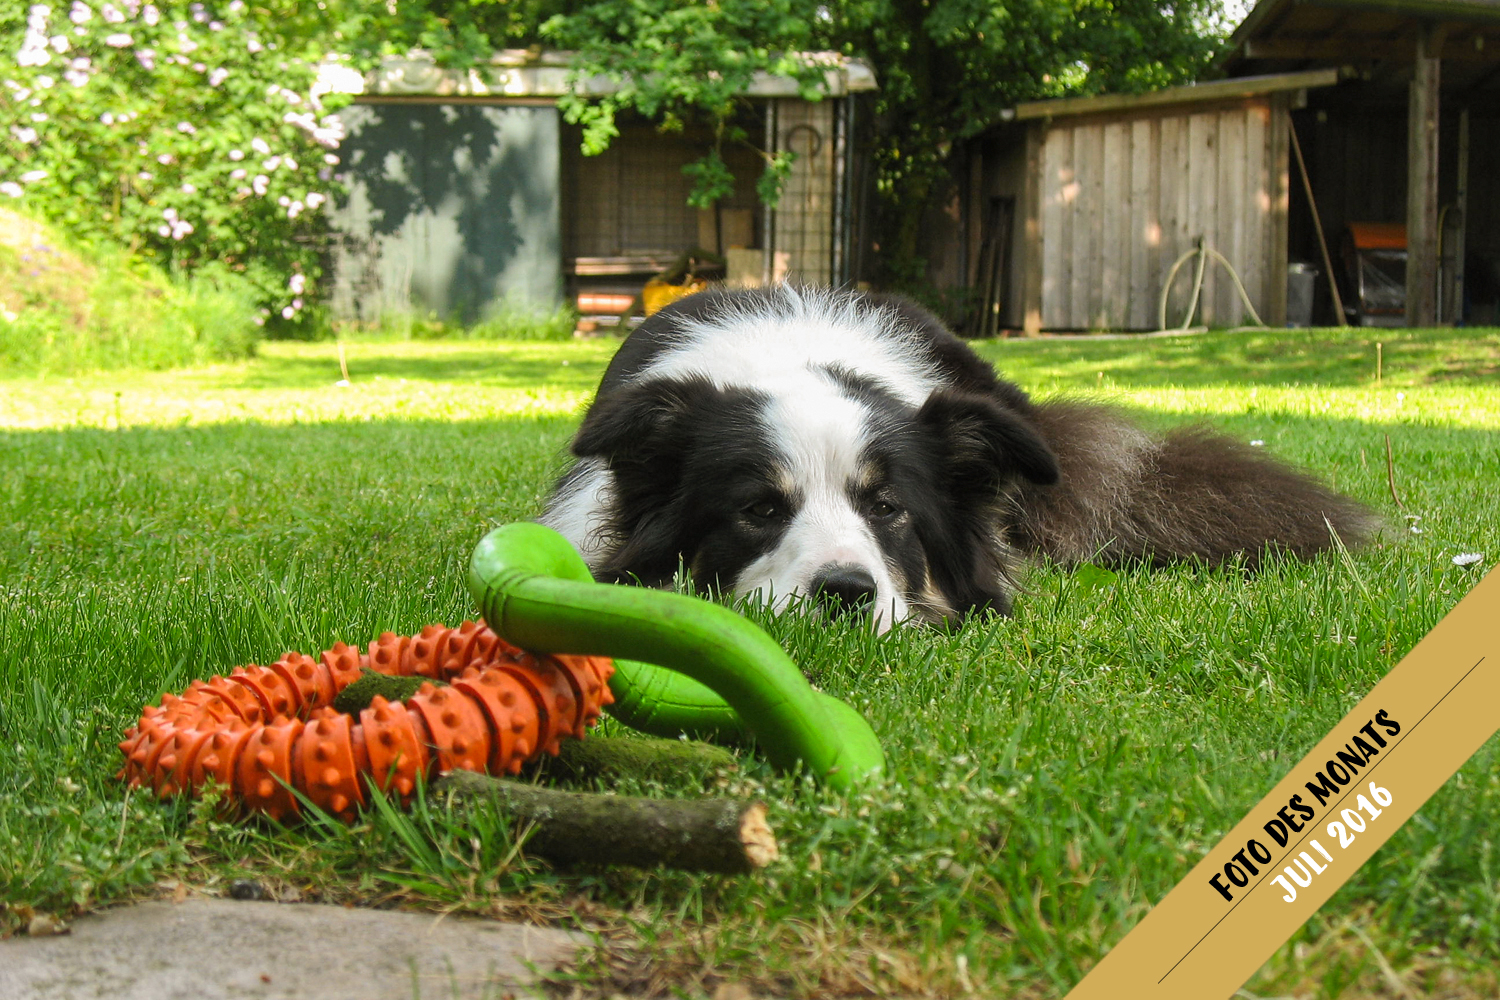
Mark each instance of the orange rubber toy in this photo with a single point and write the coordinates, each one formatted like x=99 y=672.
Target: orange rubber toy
x=262 y=732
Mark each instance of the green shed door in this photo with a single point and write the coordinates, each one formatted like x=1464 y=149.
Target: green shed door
x=453 y=210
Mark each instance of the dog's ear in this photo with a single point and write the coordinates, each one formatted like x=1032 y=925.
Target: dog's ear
x=985 y=442
x=642 y=424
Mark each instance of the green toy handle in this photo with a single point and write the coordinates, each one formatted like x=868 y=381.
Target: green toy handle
x=681 y=664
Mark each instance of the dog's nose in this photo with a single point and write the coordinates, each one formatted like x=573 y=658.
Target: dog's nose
x=842 y=588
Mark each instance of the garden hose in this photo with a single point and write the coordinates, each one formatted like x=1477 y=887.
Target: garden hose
x=681 y=664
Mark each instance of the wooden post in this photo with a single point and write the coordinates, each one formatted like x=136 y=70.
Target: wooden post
x=1031 y=215
x=1422 y=180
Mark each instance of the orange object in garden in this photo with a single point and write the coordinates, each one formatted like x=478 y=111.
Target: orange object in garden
x=262 y=732
x=657 y=295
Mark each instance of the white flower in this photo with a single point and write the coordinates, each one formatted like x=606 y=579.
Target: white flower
x=45 y=82
x=164 y=230
x=150 y=14
x=259 y=321
x=166 y=159
x=189 y=189
x=76 y=77
x=181 y=229
x=145 y=175
x=259 y=145
x=298 y=283
x=169 y=214
x=118 y=40
x=271 y=164
x=24 y=134
x=291 y=164
x=236 y=6
x=186 y=128
x=32 y=176
x=294 y=209
x=330 y=159
x=39 y=116
x=236 y=155
x=200 y=68
x=146 y=57
x=59 y=43
x=32 y=56
x=215 y=25
x=107 y=118
x=287 y=312
x=218 y=76
x=11 y=188
x=1257 y=443
x=110 y=14
x=185 y=44
x=237 y=174
x=284 y=201
x=296 y=303
x=314 y=199
x=254 y=46
x=80 y=12
x=261 y=183
x=1467 y=558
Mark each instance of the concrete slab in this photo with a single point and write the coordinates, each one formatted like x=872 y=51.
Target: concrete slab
x=219 y=949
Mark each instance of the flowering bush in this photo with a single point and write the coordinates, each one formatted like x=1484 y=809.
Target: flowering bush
x=188 y=133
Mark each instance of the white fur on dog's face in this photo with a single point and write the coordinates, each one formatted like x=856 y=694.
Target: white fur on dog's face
x=821 y=436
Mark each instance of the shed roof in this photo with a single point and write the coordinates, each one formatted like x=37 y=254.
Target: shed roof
x=531 y=73
x=1375 y=37
x=1219 y=90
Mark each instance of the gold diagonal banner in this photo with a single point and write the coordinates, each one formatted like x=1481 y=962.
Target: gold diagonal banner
x=1322 y=821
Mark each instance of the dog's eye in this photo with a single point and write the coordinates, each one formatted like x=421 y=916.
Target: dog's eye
x=764 y=510
x=882 y=510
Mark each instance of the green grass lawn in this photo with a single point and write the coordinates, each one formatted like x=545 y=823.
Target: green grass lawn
x=1051 y=776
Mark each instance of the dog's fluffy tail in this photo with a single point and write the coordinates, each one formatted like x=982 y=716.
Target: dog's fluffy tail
x=1125 y=495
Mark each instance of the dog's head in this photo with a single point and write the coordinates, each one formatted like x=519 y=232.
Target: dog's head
x=826 y=489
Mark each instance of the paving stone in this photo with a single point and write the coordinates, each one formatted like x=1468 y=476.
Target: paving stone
x=219 y=949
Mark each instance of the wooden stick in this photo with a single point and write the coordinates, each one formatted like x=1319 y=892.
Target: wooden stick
x=643 y=757
x=1333 y=286
x=707 y=835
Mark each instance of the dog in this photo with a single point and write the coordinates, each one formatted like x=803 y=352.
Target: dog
x=847 y=451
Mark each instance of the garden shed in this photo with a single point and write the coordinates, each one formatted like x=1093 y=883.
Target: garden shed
x=469 y=194
x=1078 y=208
x=1069 y=214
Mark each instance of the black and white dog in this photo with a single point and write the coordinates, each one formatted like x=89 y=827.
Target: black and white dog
x=847 y=449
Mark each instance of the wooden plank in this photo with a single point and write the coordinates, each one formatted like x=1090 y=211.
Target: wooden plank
x=1246 y=86
x=1173 y=180
x=1252 y=263
x=1202 y=183
x=1051 y=182
x=1088 y=168
x=1066 y=190
x=1234 y=208
x=1422 y=182
x=1387 y=50
x=1116 y=237
x=1144 y=231
x=1279 y=190
x=1033 y=236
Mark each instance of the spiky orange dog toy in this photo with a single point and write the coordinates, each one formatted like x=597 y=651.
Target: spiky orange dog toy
x=262 y=732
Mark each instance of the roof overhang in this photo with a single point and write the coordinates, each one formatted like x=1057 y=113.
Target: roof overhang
x=1219 y=90
x=528 y=73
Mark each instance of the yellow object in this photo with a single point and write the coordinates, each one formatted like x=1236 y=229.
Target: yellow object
x=657 y=295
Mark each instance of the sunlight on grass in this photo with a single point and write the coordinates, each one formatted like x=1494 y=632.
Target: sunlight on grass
x=292 y=383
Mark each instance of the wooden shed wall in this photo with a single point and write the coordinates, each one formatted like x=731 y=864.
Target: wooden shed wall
x=1122 y=195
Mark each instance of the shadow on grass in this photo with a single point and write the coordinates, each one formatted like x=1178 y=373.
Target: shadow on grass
x=1334 y=358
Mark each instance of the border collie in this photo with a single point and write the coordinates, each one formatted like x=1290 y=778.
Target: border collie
x=847 y=450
